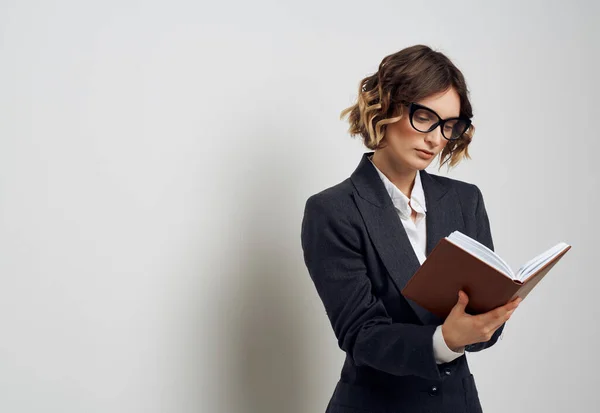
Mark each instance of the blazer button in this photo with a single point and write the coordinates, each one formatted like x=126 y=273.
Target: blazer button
x=433 y=390
x=447 y=372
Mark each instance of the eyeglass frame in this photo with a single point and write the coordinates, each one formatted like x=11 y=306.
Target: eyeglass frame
x=412 y=108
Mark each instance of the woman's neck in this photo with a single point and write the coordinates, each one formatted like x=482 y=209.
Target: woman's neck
x=402 y=178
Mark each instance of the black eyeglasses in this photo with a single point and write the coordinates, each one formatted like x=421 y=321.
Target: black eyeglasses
x=425 y=120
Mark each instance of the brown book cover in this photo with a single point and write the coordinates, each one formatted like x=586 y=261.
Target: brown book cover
x=449 y=268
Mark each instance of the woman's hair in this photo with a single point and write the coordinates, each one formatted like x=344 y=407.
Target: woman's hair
x=409 y=75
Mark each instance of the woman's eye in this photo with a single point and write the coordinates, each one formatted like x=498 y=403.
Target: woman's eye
x=421 y=119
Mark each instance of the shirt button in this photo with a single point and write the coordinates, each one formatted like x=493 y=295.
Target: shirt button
x=433 y=390
x=447 y=372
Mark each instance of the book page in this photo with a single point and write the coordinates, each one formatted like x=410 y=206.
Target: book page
x=482 y=252
x=535 y=263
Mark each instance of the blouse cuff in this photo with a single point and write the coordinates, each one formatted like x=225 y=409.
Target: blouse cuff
x=441 y=351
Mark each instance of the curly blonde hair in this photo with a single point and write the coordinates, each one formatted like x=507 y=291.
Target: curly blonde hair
x=409 y=75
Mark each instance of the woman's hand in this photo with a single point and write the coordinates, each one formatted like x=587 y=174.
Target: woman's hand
x=461 y=329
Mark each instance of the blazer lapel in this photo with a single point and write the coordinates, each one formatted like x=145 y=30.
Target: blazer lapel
x=387 y=232
x=444 y=213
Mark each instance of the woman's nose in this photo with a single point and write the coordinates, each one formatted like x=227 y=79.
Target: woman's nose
x=435 y=136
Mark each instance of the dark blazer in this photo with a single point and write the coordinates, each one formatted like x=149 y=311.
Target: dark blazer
x=359 y=258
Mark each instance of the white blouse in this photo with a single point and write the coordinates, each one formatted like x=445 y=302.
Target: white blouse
x=416 y=232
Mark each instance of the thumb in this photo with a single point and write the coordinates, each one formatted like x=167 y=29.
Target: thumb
x=462 y=302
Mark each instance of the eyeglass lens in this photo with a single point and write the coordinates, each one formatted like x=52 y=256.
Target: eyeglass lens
x=424 y=120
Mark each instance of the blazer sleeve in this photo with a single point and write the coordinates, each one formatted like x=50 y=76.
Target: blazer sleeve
x=363 y=328
x=484 y=235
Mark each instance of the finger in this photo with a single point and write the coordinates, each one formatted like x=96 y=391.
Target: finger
x=491 y=323
x=512 y=305
x=461 y=303
x=495 y=316
x=501 y=321
x=495 y=328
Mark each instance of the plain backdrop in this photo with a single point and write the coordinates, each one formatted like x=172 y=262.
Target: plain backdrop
x=155 y=158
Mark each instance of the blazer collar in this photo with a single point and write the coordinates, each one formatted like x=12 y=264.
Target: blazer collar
x=385 y=228
x=369 y=185
x=403 y=203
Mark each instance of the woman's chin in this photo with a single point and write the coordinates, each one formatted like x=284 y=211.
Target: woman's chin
x=415 y=162
x=420 y=163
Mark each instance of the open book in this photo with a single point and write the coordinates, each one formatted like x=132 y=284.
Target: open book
x=460 y=262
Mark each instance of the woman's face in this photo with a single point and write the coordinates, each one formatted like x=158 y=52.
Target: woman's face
x=404 y=145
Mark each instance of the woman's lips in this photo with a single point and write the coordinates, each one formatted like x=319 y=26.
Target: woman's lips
x=424 y=154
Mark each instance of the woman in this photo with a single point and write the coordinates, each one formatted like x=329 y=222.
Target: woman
x=365 y=237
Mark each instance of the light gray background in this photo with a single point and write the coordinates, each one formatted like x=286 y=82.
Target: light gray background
x=155 y=159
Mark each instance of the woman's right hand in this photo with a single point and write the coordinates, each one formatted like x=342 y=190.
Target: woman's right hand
x=461 y=329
